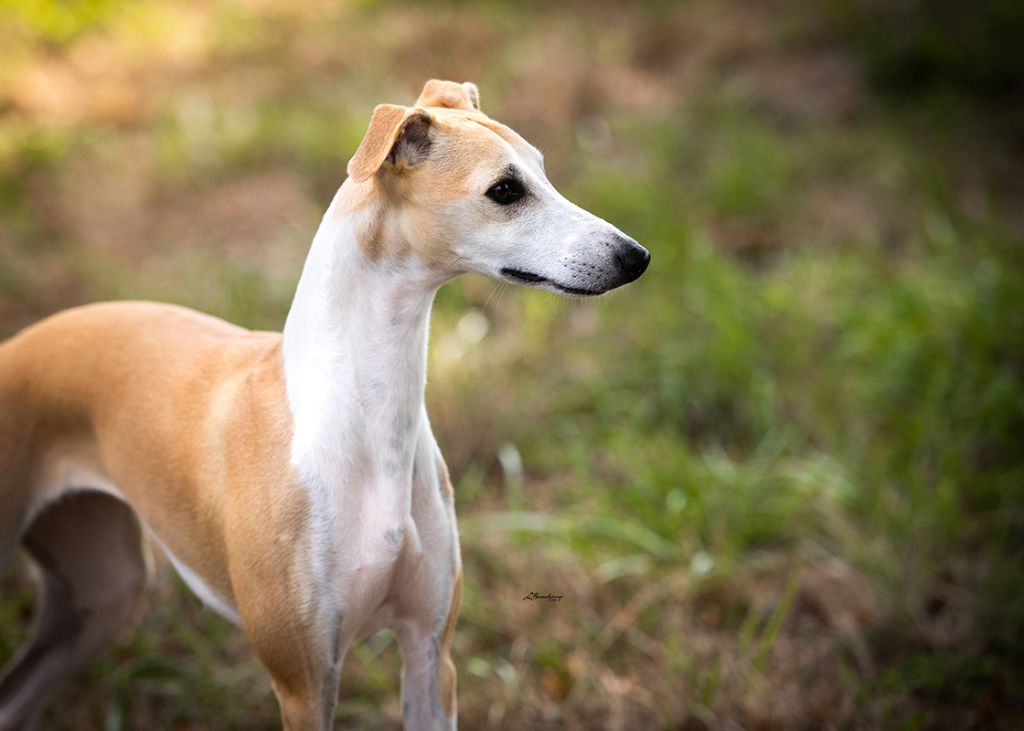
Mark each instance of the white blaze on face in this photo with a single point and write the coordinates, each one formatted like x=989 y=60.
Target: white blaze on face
x=474 y=197
x=539 y=238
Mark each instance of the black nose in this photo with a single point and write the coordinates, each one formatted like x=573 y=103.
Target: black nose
x=632 y=258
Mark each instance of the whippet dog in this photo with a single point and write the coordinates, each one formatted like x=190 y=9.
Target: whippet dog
x=292 y=479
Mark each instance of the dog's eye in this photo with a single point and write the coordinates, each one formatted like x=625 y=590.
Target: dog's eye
x=506 y=191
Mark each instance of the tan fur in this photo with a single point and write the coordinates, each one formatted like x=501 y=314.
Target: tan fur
x=387 y=125
x=445 y=478
x=397 y=208
x=141 y=392
x=437 y=93
x=186 y=417
x=446 y=687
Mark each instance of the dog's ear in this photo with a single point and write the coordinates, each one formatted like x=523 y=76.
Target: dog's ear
x=437 y=93
x=396 y=135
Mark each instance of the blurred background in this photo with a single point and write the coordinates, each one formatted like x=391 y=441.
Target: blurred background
x=779 y=480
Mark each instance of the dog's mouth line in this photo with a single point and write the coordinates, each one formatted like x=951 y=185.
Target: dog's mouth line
x=524 y=277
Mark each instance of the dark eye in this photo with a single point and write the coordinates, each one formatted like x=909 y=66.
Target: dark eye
x=506 y=191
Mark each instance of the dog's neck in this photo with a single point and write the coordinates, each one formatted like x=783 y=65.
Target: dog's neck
x=355 y=353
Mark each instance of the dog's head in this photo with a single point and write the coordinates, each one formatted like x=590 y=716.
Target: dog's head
x=445 y=183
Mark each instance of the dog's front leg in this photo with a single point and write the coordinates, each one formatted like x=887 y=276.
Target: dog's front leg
x=431 y=591
x=304 y=659
x=293 y=621
x=428 y=674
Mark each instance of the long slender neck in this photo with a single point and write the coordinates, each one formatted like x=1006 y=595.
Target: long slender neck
x=355 y=349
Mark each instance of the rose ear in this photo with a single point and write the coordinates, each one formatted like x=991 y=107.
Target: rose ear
x=448 y=94
x=397 y=135
x=473 y=93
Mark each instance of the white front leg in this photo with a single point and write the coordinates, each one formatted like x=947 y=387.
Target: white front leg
x=428 y=683
x=430 y=599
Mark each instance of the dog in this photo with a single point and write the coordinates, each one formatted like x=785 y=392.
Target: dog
x=291 y=478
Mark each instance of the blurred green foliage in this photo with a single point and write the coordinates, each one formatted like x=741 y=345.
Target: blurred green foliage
x=58 y=23
x=928 y=45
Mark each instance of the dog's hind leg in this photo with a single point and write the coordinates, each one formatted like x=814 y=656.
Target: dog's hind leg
x=89 y=549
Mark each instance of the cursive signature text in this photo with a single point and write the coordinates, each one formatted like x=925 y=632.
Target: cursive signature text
x=546 y=597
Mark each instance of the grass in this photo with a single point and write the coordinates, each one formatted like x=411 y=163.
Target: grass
x=778 y=480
